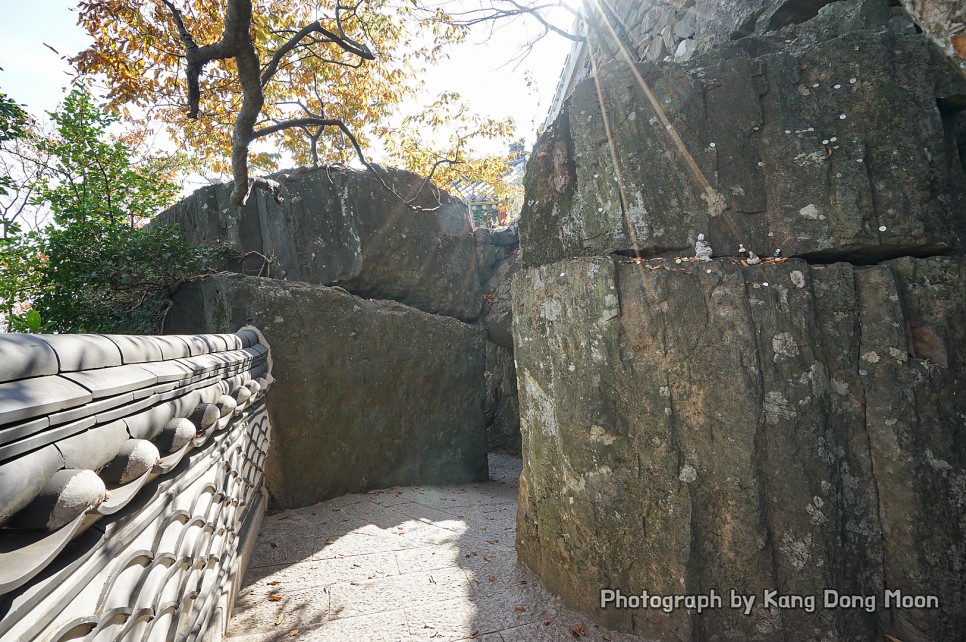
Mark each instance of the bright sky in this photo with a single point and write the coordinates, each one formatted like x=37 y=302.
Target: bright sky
x=36 y=76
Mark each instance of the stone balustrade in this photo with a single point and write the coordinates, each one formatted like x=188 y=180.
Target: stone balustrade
x=130 y=481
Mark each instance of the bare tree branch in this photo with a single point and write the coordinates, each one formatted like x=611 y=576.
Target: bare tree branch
x=347 y=44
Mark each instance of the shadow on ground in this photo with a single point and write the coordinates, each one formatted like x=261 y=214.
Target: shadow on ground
x=409 y=563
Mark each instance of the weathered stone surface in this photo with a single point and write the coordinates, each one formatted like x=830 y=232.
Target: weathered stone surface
x=493 y=247
x=502 y=406
x=780 y=427
x=499 y=259
x=707 y=24
x=945 y=22
x=497 y=307
x=341 y=227
x=841 y=148
x=368 y=393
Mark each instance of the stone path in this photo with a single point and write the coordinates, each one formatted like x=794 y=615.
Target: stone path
x=413 y=563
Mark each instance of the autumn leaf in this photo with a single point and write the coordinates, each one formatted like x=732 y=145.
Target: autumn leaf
x=273 y=582
x=492 y=578
x=520 y=608
x=136 y=48
x=274 y=598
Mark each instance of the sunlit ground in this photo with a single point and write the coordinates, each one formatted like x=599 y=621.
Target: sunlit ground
x=412 y=563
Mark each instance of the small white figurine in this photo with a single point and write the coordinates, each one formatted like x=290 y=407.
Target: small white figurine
x=742 y=252
x=753 y=259
x=702 y=250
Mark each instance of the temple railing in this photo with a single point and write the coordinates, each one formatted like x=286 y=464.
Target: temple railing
x=130 y=482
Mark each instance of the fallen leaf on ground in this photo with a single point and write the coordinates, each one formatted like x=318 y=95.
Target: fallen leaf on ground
x=546 y=622
x=579 y=631
x=329 y=542
x=486 y=557
x=273 y=582
x=606 y=637
x=294 y=633
x=278 y=620
x=474 y=635
x=520 y=608
x=493 y=578
x=274 y=598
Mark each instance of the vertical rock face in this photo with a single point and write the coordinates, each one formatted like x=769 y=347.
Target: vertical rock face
x=790 y=431
x=342 y=227
x=369 y=394
x=785 y=427
x=836 y=147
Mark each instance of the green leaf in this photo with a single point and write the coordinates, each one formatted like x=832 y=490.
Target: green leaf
x=33 y=321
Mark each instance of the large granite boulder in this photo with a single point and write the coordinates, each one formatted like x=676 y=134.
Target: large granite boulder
x=787 y=427
x=343 y=227
x=368 y=394
x=824 y=145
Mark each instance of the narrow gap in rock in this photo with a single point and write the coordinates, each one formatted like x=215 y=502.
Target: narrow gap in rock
x=654 y=253
x=872 y=255
x=951 y=109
